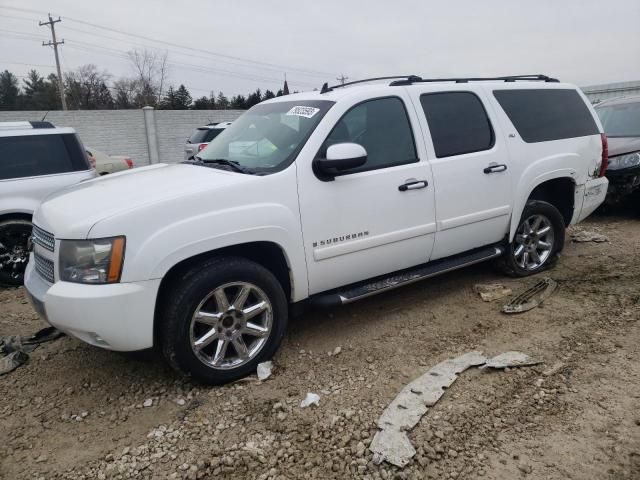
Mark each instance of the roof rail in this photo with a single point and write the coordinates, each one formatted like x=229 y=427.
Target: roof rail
x=510 y=78
x=326 y=88
x=411 y=79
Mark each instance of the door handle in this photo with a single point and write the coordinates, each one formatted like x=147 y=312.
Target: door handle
x=414 y=185
x=495 y=167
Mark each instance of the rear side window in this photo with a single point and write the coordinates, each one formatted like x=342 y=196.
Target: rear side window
x=458 y=123
x=541 y=115
x=382 y=127
x=205 y=135
x=34 y=155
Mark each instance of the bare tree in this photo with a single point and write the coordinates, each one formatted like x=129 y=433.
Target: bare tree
x=151 y=71
x=85 y=87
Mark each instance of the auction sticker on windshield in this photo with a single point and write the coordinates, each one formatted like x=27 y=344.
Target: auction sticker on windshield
x=300 y=111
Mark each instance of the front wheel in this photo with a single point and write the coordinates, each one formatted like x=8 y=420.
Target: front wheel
x=14 y=251
x=538 y=239
x=222 y=318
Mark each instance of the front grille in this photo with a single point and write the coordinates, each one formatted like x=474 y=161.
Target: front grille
x=44 y=267
x=43 y=238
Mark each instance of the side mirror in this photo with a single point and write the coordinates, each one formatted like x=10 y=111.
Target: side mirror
x=340 y=158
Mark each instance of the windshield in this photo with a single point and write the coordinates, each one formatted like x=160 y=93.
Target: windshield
x=621 y=120
x=268 y=137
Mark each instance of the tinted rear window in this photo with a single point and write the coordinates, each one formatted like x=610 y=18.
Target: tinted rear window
x=458 y=123
x=205 y=135
x=34 y=155
x=541 y=115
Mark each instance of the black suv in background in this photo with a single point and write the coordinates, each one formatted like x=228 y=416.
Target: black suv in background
x=620 y=118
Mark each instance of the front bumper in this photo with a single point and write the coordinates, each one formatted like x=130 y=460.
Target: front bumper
x=116 y=317
x=622 y=183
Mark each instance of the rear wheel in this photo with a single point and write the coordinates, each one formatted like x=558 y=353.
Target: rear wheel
x=538 y=239
x=14 y=251
x=222 y=318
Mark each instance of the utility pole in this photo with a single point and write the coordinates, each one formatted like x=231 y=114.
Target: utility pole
x=342 y=79
x=55 y=44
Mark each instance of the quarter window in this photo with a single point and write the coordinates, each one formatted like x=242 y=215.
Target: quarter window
x=382 y=127
x=35 y=155
x=458 y=123
x=541 y=115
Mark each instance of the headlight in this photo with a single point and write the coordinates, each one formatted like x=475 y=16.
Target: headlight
x=92 y=261
x=624 y=161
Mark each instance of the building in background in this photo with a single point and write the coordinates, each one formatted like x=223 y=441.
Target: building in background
x=598 y=93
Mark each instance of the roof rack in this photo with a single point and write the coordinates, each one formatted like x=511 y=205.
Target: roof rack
x=411 y=79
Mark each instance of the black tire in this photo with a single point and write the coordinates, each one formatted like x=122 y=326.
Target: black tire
x=14 y=250
x=185 y=295
x=514 y=266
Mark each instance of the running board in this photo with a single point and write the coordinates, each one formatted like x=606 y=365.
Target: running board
x=358 y=291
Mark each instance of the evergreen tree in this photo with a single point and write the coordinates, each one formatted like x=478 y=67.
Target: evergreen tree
x=279 y=94
x=33 y=92
x=239 y=102
x=169 y=101
x=8 y=91
x=202 y=103
x=104 y=100
x=253 y=99
x=268 y=94
x=222 y=102
x=183 y=98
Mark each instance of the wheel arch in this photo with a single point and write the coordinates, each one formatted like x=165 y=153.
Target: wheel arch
x=558 y=190
x=268 y=254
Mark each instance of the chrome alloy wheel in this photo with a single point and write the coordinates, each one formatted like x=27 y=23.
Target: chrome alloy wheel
x=533 y=242
x=227 y=333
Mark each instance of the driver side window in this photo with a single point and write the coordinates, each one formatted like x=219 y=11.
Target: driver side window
x=382 y=127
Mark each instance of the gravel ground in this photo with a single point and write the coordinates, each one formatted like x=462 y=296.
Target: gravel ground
x=77 y=412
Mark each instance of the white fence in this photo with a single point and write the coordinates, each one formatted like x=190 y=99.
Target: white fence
x=146 y=135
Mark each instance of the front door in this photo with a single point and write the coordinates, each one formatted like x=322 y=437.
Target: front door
x=377 y=218
x=471 y=169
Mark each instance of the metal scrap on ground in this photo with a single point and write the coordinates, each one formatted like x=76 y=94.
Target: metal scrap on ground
x=531 y=297
x=16 y=349
x=584 y=236
x=391 y=443
x=491 y=291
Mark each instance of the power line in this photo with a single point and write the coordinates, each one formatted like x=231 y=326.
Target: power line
x=208 y=52
x=54 y=43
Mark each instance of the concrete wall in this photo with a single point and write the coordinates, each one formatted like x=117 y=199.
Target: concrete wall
x=125 y=132
x=599 y=93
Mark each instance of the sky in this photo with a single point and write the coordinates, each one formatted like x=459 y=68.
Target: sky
x=236 y=46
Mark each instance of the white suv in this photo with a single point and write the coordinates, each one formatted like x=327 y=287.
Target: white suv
x=36 y=159
x=344 y=193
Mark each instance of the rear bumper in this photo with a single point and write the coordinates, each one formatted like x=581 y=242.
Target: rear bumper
x=115 y=317
x=593 y=194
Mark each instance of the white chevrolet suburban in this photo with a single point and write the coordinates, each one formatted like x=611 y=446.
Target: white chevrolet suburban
x=343 y=193
x=36 y=159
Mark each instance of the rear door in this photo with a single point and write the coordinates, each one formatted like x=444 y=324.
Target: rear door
x=377 y=218
x=471 y=168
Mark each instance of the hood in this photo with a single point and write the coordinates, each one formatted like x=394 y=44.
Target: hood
x=622 y=145
x=71 y=212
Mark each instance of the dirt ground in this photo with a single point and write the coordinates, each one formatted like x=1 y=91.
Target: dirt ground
x=78 y=412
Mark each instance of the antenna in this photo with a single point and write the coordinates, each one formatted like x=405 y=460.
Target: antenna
x=45 y=116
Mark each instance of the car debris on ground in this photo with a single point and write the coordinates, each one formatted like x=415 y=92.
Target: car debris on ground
x=310 y=399
x=531 y=297
x=492 y=291
x=15 y=350
x=264 y=370
x=585 y=236
x=391 y=443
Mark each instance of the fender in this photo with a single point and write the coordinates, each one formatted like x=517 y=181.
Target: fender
x=175 y=238
x=527 y=185
x=22 y=205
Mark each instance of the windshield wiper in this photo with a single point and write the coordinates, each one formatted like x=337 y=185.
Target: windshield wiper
x=235 y=166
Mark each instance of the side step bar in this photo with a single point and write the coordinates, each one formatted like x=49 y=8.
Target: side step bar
x=358 y=291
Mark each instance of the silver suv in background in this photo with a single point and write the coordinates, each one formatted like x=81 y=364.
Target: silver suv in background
x=201 y=138
x=36 y=159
